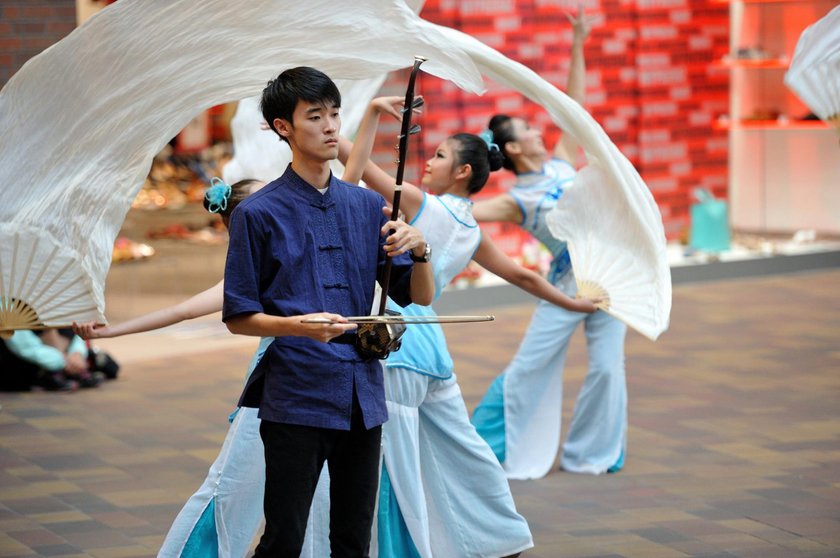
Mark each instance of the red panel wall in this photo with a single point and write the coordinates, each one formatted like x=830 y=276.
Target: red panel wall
x=650 y=84
x=681 y=94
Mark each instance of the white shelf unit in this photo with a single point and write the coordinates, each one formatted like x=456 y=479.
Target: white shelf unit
x=784 y=172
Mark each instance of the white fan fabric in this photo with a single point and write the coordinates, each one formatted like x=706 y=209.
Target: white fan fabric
x=641 y=292
x=814 y=72
x=82 y=120
x=259 y=153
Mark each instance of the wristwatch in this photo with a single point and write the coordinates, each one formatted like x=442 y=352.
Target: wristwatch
x=425 y=258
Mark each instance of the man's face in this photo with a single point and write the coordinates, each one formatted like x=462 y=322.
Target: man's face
x=314 y=130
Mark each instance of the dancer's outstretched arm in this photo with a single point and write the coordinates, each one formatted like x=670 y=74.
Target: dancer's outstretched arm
x=567 y=147
x=356 y=158
x=491 y=258
x=202 y=304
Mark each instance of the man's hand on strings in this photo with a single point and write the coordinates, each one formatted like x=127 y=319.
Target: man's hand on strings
x=324 y=332
x=400 y=236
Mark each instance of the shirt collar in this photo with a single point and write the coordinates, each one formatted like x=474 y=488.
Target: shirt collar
x=309 y=192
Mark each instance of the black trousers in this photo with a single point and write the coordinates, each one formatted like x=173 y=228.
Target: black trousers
x=294 y=456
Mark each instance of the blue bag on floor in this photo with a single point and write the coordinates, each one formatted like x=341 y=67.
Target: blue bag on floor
x=709 y=223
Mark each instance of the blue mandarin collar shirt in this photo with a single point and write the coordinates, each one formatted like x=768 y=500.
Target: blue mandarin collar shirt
x=296 y=251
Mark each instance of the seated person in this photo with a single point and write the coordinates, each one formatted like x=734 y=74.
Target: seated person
x=54 y=359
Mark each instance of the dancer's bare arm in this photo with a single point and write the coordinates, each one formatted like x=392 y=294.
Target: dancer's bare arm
x=356 y=157
x=204 y=303
x=362 y=146
x=491 y=258
x=567 y=147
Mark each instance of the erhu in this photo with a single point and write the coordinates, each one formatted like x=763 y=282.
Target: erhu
x=379 y=335
x=378 y=339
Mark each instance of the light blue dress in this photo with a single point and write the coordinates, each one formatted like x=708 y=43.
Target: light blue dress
x=453 y=496
x=521 y=412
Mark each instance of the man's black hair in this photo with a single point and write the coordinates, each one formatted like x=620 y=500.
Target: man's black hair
x=281 y=95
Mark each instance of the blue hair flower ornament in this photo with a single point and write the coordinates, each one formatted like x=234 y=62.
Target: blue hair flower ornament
x=217 y=195
x=487 y=136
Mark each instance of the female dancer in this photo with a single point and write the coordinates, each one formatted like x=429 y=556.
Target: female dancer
x=520 y=414
x=430 y=447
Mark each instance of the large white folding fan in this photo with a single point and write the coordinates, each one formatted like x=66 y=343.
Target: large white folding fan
x=82 y=120
x=609 y=217
x=814 y=72
x=611 y=253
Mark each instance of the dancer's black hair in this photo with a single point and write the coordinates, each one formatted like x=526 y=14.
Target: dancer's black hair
x=482 y=158
x=238 y=192
x=502 y=127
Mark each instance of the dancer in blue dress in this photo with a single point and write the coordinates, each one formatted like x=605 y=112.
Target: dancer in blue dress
x=520 y=414
x=453 y=496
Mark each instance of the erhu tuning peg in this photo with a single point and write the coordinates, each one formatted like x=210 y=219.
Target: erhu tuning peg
x=415 y=129
x=416 y=103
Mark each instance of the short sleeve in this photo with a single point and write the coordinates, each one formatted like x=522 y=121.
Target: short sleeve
x=242 y=267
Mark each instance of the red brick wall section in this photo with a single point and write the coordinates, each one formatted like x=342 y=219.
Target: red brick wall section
x=650 y=85
x=29 y=26
x=681 y=93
